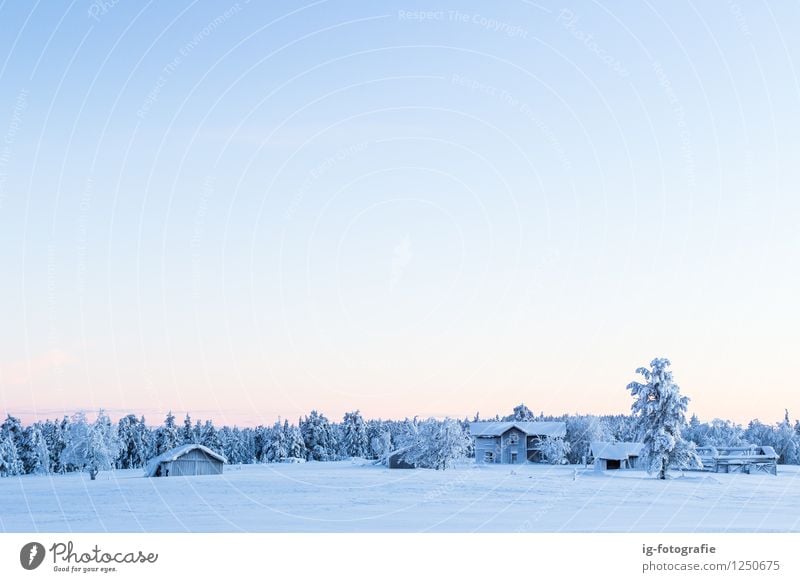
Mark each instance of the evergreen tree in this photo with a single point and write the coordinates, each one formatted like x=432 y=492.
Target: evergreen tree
x=209 y=437
x=294 y=441
x=521 y=414
x=277 y=446
x=61 y=438
x=10 y=463
x=319 y=440
x=166 y=437
x=260 y=441
x=660 y=411
x=133 y=442
x=187 y=435
x=12 y=427
x=33 y=451
x=354 y=436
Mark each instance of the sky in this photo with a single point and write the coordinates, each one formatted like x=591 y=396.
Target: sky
x=246 y=211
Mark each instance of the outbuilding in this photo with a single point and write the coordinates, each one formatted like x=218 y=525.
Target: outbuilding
x=609 y=456
x=395 y=460
x=186 y=460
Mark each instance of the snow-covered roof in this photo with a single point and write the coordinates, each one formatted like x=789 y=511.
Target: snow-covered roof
x=490 y=429
x=615 y=451
x=174 y=454
x=768 y=451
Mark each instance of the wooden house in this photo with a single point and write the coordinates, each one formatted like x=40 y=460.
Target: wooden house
x=512 y=442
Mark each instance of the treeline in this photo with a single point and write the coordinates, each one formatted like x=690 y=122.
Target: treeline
x=76 y=444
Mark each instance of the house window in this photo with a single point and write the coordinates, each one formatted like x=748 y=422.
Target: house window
x=488 y=457
x=513 y=439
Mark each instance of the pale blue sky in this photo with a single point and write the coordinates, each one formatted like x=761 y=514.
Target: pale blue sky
x=408 y=208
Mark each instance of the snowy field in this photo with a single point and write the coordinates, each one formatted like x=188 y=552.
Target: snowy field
x=355 y=496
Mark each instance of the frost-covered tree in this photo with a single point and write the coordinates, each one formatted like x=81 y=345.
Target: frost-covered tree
x=33 y=451
x=318 y=437
x=521 y=414
x=381 y=444
x=436 y=445
x=133 y=436
x=294 y=441
x=555 y=450
x=277 y=447
x=661 y=414
x=787 y=445
x=166 y=436
x=13 y=428
x=10 y=463
x=209 y=438
x=91 y=447
x=581 y=431
x=354 y=436
x=231 y=445
x=57 y=442
x=187 y=434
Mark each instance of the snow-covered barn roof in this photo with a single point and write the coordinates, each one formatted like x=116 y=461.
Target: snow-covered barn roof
x=615 y=451
x=177 y=452
x=490 y=429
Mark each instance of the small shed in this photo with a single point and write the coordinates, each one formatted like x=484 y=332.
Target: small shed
x=610 y=456
x=186 y=460
x=395 y=460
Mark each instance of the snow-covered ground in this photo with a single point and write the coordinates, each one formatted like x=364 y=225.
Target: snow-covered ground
x=355 y=496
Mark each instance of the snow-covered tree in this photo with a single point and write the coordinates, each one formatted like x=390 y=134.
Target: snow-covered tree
x=10 y=463
x=187 y=434
x=209 y=437
x=166 y=436
x=294 y=441
x=581 y=431
x=555 y=450
x=661 y=414
x=354 y=436
x=381 y=444
x=33 y=451
x=277 y=447
x=318 y=437
x=437 y=445
x=133 y=436
x=787 y=444
x=91 y=447
x=57 y=439
x=521 y=414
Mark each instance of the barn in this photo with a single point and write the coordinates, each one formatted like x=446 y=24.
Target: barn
x=608 y=456
x=186 y=460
